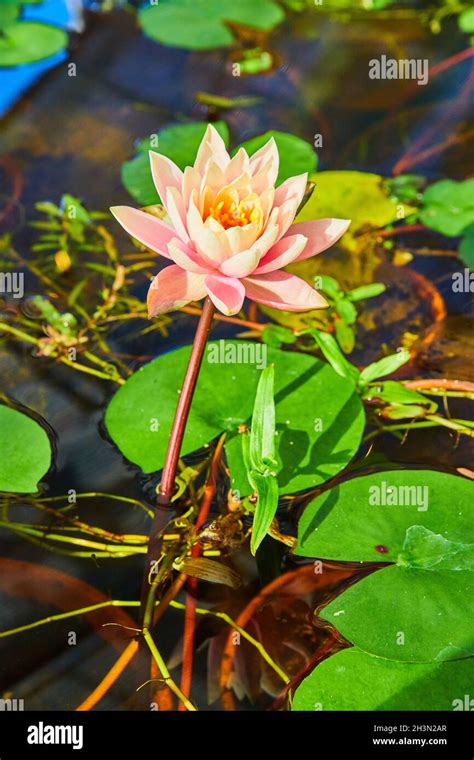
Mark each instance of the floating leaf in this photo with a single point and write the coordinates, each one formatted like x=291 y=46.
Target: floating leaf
x=449 y=206
x=179 y=143
x=319 y=417
x=466 y=248
x=296 y=155
x=28 y=41
x=202 y=24
x=354 y=680
x=407 y=610
x=358 y=196
x=25 y=452
x=466 y=21
x=8 y=14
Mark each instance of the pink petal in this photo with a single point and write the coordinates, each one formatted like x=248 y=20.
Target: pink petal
x=293 y=187
x=177 y=213
x=259 y=160
x=149 y=230
x=241 y=264
x=191 y=181
x=321 y=234
x=165 y=174
x=238 y=165
x=286 y=214
x=226 y=293
x=212 y=146
x=186 y=257
x=173 y=288
x=282 y=253
x=283 y=290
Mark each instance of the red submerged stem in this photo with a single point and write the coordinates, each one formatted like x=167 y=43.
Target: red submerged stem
x=192 y=584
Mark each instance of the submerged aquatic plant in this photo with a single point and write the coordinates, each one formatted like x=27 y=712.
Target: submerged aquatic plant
x=231 y=231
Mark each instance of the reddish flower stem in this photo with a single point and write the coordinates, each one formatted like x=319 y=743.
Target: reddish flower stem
x=184 y=404
x=192 y=584
x=175 y=441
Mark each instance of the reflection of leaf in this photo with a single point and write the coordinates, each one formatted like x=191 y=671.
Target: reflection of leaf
x=25 y=452
x=179 y=143
x=449 y=206
x=201 y=24
x=28 y=41
x=296 y=155
x=417 y=609
x=319 y=417
x=354 y=680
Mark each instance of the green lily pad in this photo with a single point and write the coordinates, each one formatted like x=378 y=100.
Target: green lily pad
x=466 y=247
x=319 y=417
x=296 y=155
x=449 y=206
x=29 y=41
x=8 y=13
x=421 y=607
x=353 y=680
x=180 y=143
x=466 y=21
x=359 y=196
x=202 y=24
x=25 y=452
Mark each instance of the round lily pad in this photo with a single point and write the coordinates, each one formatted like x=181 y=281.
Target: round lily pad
x=319 y=417
x=25 y=452
x=353 y=680
x=203 y=24
x=420 y=607
x=28 y=41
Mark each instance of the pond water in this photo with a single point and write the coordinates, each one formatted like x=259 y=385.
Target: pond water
x=71 y=134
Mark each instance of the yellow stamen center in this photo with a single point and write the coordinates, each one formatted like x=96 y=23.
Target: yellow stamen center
x=231 y=214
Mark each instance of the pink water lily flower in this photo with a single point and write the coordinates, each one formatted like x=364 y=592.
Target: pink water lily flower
x=231 y=231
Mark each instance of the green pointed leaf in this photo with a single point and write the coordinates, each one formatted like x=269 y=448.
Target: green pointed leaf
x=395 y=393
x=30 y=41
x=25 y=452
x=266 y=487
x=179 y=142
x=202 y=24
x=421 y=607
x=335 y=357
x=262 y=432
x=353 y=680
x=319 y=416
x=383 y=367
x=367 y=291
x=296 y=155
